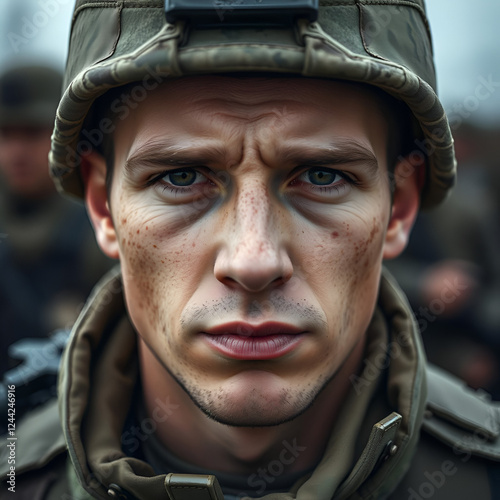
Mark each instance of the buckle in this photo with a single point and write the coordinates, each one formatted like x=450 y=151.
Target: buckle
x=192 y=486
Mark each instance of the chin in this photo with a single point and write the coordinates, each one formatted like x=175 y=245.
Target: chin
x=256 y=416
x=240 y=403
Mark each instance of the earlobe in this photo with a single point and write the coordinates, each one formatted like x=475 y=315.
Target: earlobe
x=93 y=170
x=407 y=184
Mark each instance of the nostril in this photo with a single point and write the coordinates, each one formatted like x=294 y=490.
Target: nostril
x=228 y=281
x=253 y=263
x=252 y=276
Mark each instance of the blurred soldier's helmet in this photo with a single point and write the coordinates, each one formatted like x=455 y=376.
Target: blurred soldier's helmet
x=114 y=43
x=29 y=96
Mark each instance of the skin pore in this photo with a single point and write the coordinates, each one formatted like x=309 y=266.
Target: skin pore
x=238 y=206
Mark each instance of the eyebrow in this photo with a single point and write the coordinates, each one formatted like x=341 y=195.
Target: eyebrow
x=344 y=151
x=169 y=154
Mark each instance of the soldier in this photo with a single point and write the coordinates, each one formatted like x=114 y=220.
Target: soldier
x=251 y=165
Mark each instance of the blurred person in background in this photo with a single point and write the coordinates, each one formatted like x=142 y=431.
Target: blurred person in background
x=47 y=271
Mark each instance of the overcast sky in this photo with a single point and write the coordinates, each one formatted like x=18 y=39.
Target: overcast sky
x=466 y=43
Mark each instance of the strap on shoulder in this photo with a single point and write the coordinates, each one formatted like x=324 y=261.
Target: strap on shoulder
x=464 y=419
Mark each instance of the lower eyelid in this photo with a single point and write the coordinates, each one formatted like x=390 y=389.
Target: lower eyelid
x=338 y=189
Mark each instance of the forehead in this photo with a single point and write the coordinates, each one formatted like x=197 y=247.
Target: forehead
x=225 y=105
x=255 y=91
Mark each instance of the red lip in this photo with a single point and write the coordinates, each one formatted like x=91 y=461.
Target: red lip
x=244 y=341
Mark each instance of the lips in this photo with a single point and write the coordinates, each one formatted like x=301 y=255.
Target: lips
x=244 y=341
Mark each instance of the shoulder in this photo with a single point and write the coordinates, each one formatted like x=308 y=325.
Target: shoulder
x=33 y=457
x=462 y=418
x=459 y=450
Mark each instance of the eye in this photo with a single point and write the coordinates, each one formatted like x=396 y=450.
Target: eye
x=185 y=185
x=184 y=178
x=320 y=176
x=323 y=183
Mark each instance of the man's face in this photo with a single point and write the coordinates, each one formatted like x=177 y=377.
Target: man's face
x=250 y=219
x=23 y=160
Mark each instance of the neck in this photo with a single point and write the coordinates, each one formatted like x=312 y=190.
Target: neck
x=195 y=438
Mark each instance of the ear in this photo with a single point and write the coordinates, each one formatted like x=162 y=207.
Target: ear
x=93 y=168
x=407 y=180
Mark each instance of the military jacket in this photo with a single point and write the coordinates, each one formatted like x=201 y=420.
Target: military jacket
x=405 y=431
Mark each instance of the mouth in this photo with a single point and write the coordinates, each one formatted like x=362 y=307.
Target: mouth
x=243 y=341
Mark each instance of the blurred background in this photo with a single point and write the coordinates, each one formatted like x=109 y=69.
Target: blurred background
x=451 y=269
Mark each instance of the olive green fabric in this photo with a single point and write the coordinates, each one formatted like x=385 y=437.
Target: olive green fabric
x=29 y=96
x=31 y=452
x=382 y=43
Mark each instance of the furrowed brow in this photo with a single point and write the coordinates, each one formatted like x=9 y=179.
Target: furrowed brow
x=167 y=155
x=343 y=152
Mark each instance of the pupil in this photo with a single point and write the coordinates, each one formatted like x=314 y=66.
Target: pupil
x=321 y=177
x=182 y=178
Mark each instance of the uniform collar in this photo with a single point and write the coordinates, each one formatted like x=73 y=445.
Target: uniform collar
x=386 y=403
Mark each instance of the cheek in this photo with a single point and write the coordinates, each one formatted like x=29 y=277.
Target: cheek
x=343 y=268
x=157 y=260
x=364 y=249
x=345 y=251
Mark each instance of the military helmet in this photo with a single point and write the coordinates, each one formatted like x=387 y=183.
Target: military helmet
x=29 y=96
x=118 y=42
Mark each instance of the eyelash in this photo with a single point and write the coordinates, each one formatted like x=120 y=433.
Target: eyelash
x=326 y=189
x=174 y=190
x=158 y=181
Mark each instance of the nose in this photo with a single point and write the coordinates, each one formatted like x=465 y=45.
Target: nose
x=253 y=256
